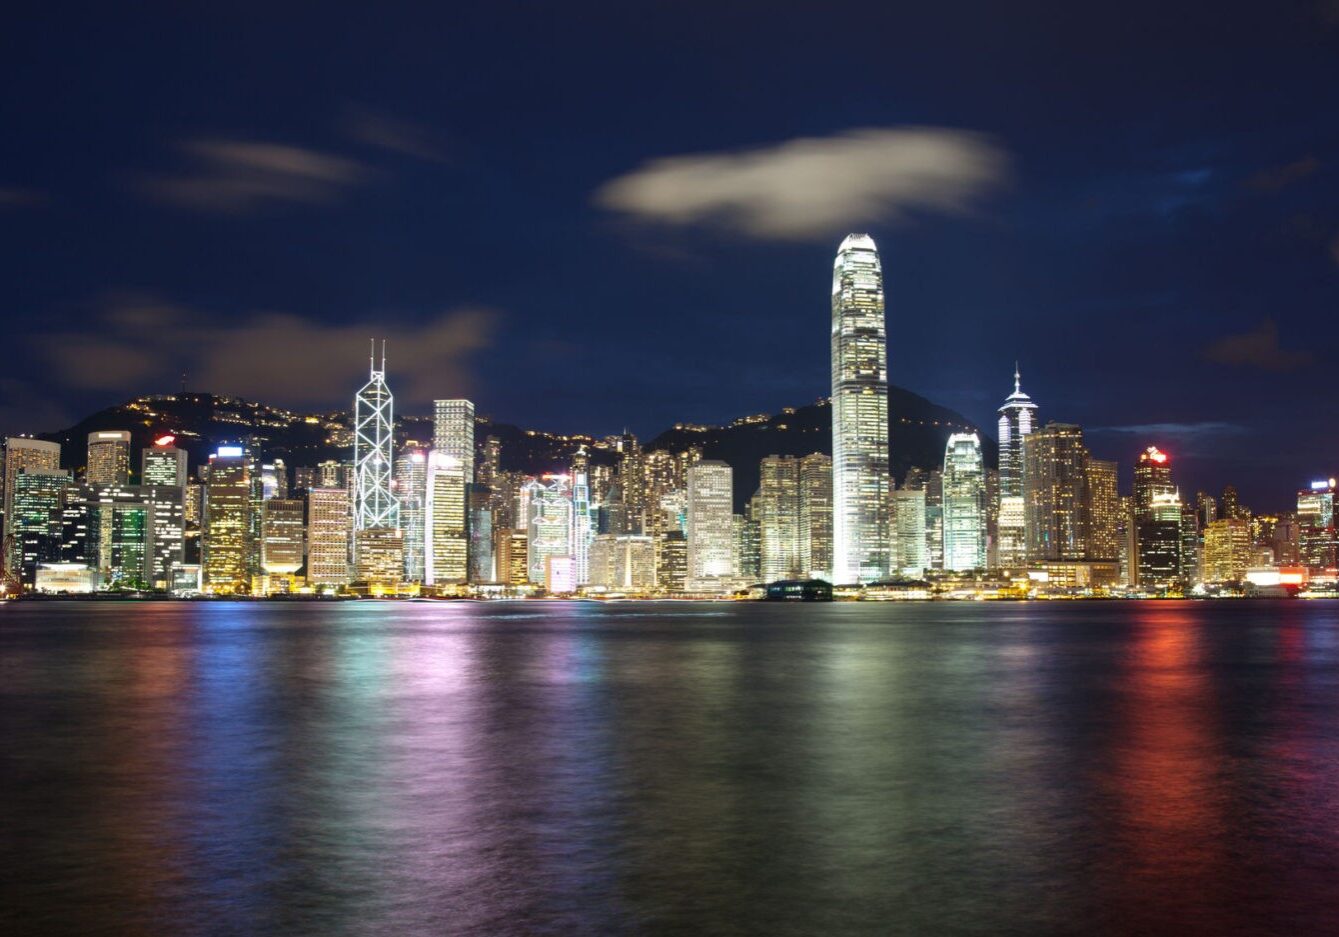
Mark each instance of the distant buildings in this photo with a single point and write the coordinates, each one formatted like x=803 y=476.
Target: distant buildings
x=860 y=481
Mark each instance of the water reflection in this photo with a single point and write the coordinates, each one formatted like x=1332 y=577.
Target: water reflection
x=566 y=768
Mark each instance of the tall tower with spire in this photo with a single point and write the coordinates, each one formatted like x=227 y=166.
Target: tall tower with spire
x=860 y=480
x=374 y=502
x=1018 y=418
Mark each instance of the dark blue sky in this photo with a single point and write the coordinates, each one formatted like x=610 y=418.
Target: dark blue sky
x=1138 y=201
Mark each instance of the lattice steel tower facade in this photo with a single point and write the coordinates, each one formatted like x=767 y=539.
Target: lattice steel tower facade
x=374 y=503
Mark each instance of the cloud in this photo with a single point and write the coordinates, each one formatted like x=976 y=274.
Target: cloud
x=1258 y=348
x=814 y=187
x=1182 y=430
x=241 y=176
x=389 y=133
x=1280 y=177
x=15 y=197
x=141 y=345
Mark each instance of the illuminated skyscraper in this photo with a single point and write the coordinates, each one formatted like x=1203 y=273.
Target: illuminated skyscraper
x=227 y=523
x=510 y=555
x=1227 y=550
x=380 y=557
x=22 y=454
x=163 y=463
x=777 y=507
x=711 y=527
x=1318 y=544
x=583 y=527
x=374 y=504
x=411 y=490
x=1157 y=522
x=108 y=458
x=328 y=534
x=281 y=530
x=860 y=481
x=910 y=558
x=816 y=516
x=39 y=496
x=1056 y=493
x=1104 y=513
x=1018 y=418
x=453 y=433
x=964 y=503
x=445 y=560
x=549 y=522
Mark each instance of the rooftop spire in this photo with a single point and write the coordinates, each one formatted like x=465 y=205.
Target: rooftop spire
x=1017 y=388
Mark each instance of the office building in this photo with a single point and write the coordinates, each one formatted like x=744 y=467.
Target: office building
x=860 y=482
x=453 y=433
x=22 y=454
x=227 y=529
x=163 y=464
x=374 y=502
x=964 y=504
x=1055 y=472
x=446 y=556
x=329 y=529
x=108 y=458
x=711 y=541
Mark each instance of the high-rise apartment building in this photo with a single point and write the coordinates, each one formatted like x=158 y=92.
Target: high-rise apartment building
x=108 y=458
x=1018 y=418
x=1104 y=511
x=815 y=484
x=964 y=493
x=1055 y=472
x=860 y=481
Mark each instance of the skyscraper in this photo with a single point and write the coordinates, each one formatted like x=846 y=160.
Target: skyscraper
x=445 y=560
x=163 y=463
x=281 y=531
x=1018 y=418
x=1056 y=493
x=1157 y=522
x=860 y=481
x=108 y=458
x=583 y=528
x=777 y=507
x=328 y=533
x=549 y=523
x=910 y=559
x=964 y=503
x=711 y=527
x=411 y=490
x=1104 y=515
x=816 y=516
x=453 y=433
x=22 y=454
x=227 y=522
x=39 y=496
x=374 y=503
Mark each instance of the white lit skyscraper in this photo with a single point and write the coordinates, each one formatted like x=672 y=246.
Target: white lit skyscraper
x=711 y=527
x=108 y=458
x=446 y=542
x=964 y=503
x=583 y=530
x=453 y=433
x=860 y=481
x=1018 y=418
x=374 y=504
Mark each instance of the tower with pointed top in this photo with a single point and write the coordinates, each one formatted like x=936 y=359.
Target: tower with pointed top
x=374 y=502
x=1018 y=418
x=860 y=481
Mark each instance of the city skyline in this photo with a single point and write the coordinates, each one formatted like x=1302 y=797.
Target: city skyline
x=1178 y=258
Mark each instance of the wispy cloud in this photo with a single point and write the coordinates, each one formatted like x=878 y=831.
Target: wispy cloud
x=1174 y=430
x=15 y=197
x=814 y=187
x=1279 y=177
x=141 y=343
x=390 y=133
x=240 y=176
x=1258 y=348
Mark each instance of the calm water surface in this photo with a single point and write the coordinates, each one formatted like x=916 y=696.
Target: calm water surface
x=547 y=768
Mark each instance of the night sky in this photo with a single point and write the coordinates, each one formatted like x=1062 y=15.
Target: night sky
x=587 y=217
